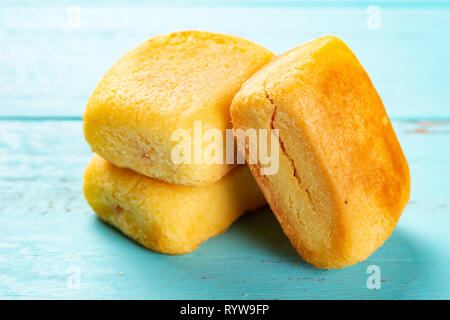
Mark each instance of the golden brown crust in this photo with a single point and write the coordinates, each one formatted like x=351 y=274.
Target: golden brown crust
x=172 y=219
x=343 y=179
x=167 y=83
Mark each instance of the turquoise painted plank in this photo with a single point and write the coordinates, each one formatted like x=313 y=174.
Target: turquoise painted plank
x=49 y=65
x=232 y=3
x=48 y=233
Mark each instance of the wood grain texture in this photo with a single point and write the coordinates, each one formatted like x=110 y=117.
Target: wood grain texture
x=49 y=66
x=46 y=228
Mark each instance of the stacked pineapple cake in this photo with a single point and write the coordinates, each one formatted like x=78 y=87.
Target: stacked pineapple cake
x=168 y=83
x=340 y=180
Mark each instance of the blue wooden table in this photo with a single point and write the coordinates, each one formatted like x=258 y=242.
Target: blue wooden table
x=52 y=54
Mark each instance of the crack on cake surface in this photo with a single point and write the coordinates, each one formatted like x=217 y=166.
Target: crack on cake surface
x=283 y=150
